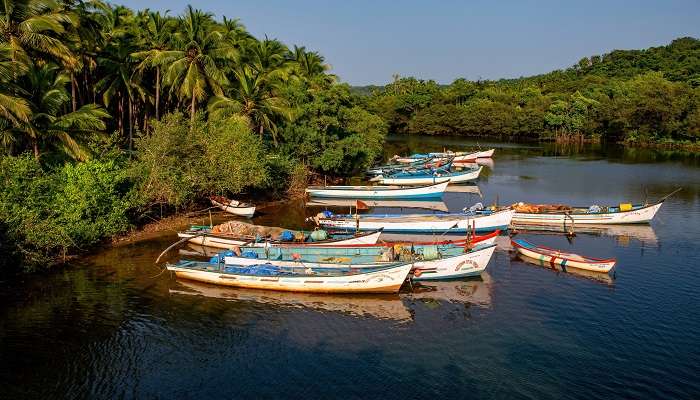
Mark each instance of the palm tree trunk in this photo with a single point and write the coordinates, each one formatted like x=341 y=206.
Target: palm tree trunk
x=131 y=124
x=158 y=93
x=35 y=146
x=192 y=109
x=72 y=90
x=120 y=117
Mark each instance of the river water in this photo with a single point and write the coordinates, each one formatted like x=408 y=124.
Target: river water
x=112 y=326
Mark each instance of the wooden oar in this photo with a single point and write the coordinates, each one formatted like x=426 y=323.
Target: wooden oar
x=177 y=243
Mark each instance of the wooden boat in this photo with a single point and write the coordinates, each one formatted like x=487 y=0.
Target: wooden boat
x=600 y=277
x=387 y=279
x=414 y=166
x=430 y=262
x=429 y=190
x=233 y=206
x=427 y=177
x=456 y=156
x=226 y=241
x=529 y=214
x=427 y=205
x=565 y=260
x=484 y=221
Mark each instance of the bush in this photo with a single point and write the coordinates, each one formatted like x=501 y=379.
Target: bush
x=181 y=161
x=50 y=213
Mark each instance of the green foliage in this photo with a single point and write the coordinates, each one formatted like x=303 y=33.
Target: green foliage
x=332 y=134
x=48 y=213
x=648 y=94
x=182 y=160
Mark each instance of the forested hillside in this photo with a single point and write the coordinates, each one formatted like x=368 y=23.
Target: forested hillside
x=643 y=96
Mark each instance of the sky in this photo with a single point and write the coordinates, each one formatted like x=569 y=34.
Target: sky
x=366 y=42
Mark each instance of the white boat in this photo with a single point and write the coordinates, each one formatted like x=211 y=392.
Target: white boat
x=459 y=156
x=430 y=190
x=472 y=263
x=233 y=206
x=427 y=205
x=462 y=265
x=550 y=256
x=385 y=280
x=223 y=241
x=622 y=214
x=419 y=223
x=429 y=178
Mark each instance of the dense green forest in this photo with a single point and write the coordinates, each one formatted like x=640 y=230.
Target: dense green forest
x=643 y=96
x=108 y=116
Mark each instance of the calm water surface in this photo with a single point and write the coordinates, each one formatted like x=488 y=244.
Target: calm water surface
x=112 y=326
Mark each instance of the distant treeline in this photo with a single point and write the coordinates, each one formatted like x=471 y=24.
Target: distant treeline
x=644 y=96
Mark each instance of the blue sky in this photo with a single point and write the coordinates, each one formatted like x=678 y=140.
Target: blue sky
x=367 y=41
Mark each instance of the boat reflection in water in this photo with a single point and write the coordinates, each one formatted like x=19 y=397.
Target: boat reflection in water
x=388 y=307
x=623 y=234
x=600 y=277
x=473 y=291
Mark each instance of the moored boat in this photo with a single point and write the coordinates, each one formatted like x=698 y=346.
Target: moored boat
x=427 y=177
x=429 y=261
x=387 y=279
x=224 y=241
x=456 y=156
x=563 y=259
x=233 y=206
x=437 y=205
x=531 y=214
x=237 y=233
x=481 y=221
x=429 y=190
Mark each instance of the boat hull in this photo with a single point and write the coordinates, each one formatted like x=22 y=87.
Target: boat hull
x=427 y=180
x=223 y=242
x=405 y=224
x=382 y=281
x=462 y=265
x=639 y=216
x=240 y=211
x=467 y=264
x=431 y=190
x=565 y=260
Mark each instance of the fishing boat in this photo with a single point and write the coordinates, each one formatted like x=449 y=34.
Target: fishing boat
x=416 y=165
x=548 y=214
x=429 y=190
x=224 y=241
x=429 y=261
x=234 y=207
x=478 y=221
x=387 y=279
x=427 y=177
x=426 y=205
x=237 y=233
x=563 y=259
x=456 y=156
x=600 y=277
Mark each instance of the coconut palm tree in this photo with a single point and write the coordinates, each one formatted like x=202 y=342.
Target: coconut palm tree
x=48 y=123
x=255 y=98
x=14 y=110
x=196 y=73
x=155 y=37
x=35 y=27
